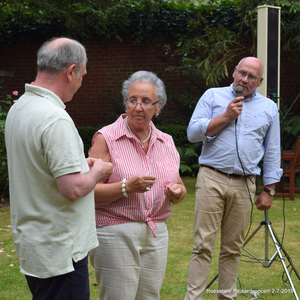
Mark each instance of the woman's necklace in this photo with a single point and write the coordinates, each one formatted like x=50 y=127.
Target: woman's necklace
x=141 y=142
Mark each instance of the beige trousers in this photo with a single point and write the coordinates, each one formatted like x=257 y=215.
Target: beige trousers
x=221 y=202
x=130 y=263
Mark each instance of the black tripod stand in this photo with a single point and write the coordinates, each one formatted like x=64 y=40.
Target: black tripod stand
x=267 y=262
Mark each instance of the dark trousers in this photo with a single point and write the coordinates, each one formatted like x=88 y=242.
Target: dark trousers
x=70 y=286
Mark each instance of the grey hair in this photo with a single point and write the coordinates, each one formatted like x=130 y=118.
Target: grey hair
x=146 y=76
x=56 y=59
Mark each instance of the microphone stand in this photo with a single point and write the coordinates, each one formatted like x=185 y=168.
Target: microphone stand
x=268 y=262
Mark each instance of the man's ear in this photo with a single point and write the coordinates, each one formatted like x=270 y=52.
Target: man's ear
x=233 y=73
x=260 y=82
x=71 y=71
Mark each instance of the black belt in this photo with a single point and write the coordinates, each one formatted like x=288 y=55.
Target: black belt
x=227 y=174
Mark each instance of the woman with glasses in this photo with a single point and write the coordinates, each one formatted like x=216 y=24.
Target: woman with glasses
x=133 y=205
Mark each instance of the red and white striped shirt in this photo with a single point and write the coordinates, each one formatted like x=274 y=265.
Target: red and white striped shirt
x=128 y=159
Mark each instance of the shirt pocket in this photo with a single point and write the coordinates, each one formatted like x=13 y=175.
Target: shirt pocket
x=259 y=123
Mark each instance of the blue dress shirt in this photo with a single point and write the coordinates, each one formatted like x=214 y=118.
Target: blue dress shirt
x=239 y=147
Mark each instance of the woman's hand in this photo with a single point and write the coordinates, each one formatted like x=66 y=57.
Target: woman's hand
x=175 y=193
x=139 y=184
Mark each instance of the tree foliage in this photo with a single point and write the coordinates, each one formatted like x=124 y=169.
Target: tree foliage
x=203 y=38
x=225 y=34
x=29 y=19
x=141 y=19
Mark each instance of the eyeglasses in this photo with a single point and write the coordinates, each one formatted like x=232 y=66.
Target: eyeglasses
x=146 y=103
x=243 y=74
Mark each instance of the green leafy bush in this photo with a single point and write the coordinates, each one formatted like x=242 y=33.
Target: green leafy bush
x=87 y=133
x=290 y=127
x=178 y=133
x=4 y=107
x=189 y=155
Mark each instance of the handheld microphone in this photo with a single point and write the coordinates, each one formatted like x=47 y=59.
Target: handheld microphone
x=238 y=92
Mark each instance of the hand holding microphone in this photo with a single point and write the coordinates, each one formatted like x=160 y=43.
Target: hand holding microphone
x=234 y=108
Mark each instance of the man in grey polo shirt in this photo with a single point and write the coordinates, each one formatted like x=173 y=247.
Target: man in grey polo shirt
x=51 y=182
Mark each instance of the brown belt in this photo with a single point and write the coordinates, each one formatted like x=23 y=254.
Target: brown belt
x=227 y=174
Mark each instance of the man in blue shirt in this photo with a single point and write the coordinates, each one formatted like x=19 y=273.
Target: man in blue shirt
x=237 y=132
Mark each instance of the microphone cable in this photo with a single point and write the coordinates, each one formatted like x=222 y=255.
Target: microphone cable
x=238 y=155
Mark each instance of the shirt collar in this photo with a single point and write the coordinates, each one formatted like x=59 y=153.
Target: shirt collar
x=45 y=93
x=122 y=130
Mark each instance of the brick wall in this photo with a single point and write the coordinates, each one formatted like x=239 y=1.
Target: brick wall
x=109 y=64
x=99 y=100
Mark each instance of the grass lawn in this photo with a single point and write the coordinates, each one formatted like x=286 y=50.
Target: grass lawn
x=252 y=274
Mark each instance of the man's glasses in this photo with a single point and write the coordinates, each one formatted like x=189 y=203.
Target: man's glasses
x=146 y=103
x=243 y=74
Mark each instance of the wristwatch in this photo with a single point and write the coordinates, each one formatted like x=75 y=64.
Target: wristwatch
x=271 y=192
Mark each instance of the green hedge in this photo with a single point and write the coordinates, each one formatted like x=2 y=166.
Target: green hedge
x=30 y=20
x=178 y=132
x=86 y=134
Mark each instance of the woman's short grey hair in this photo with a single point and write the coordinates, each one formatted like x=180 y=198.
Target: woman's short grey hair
x=58 y=58
x=146 y=76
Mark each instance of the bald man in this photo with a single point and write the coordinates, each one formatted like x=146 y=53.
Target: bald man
x=236 y=131
x=51 y=182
